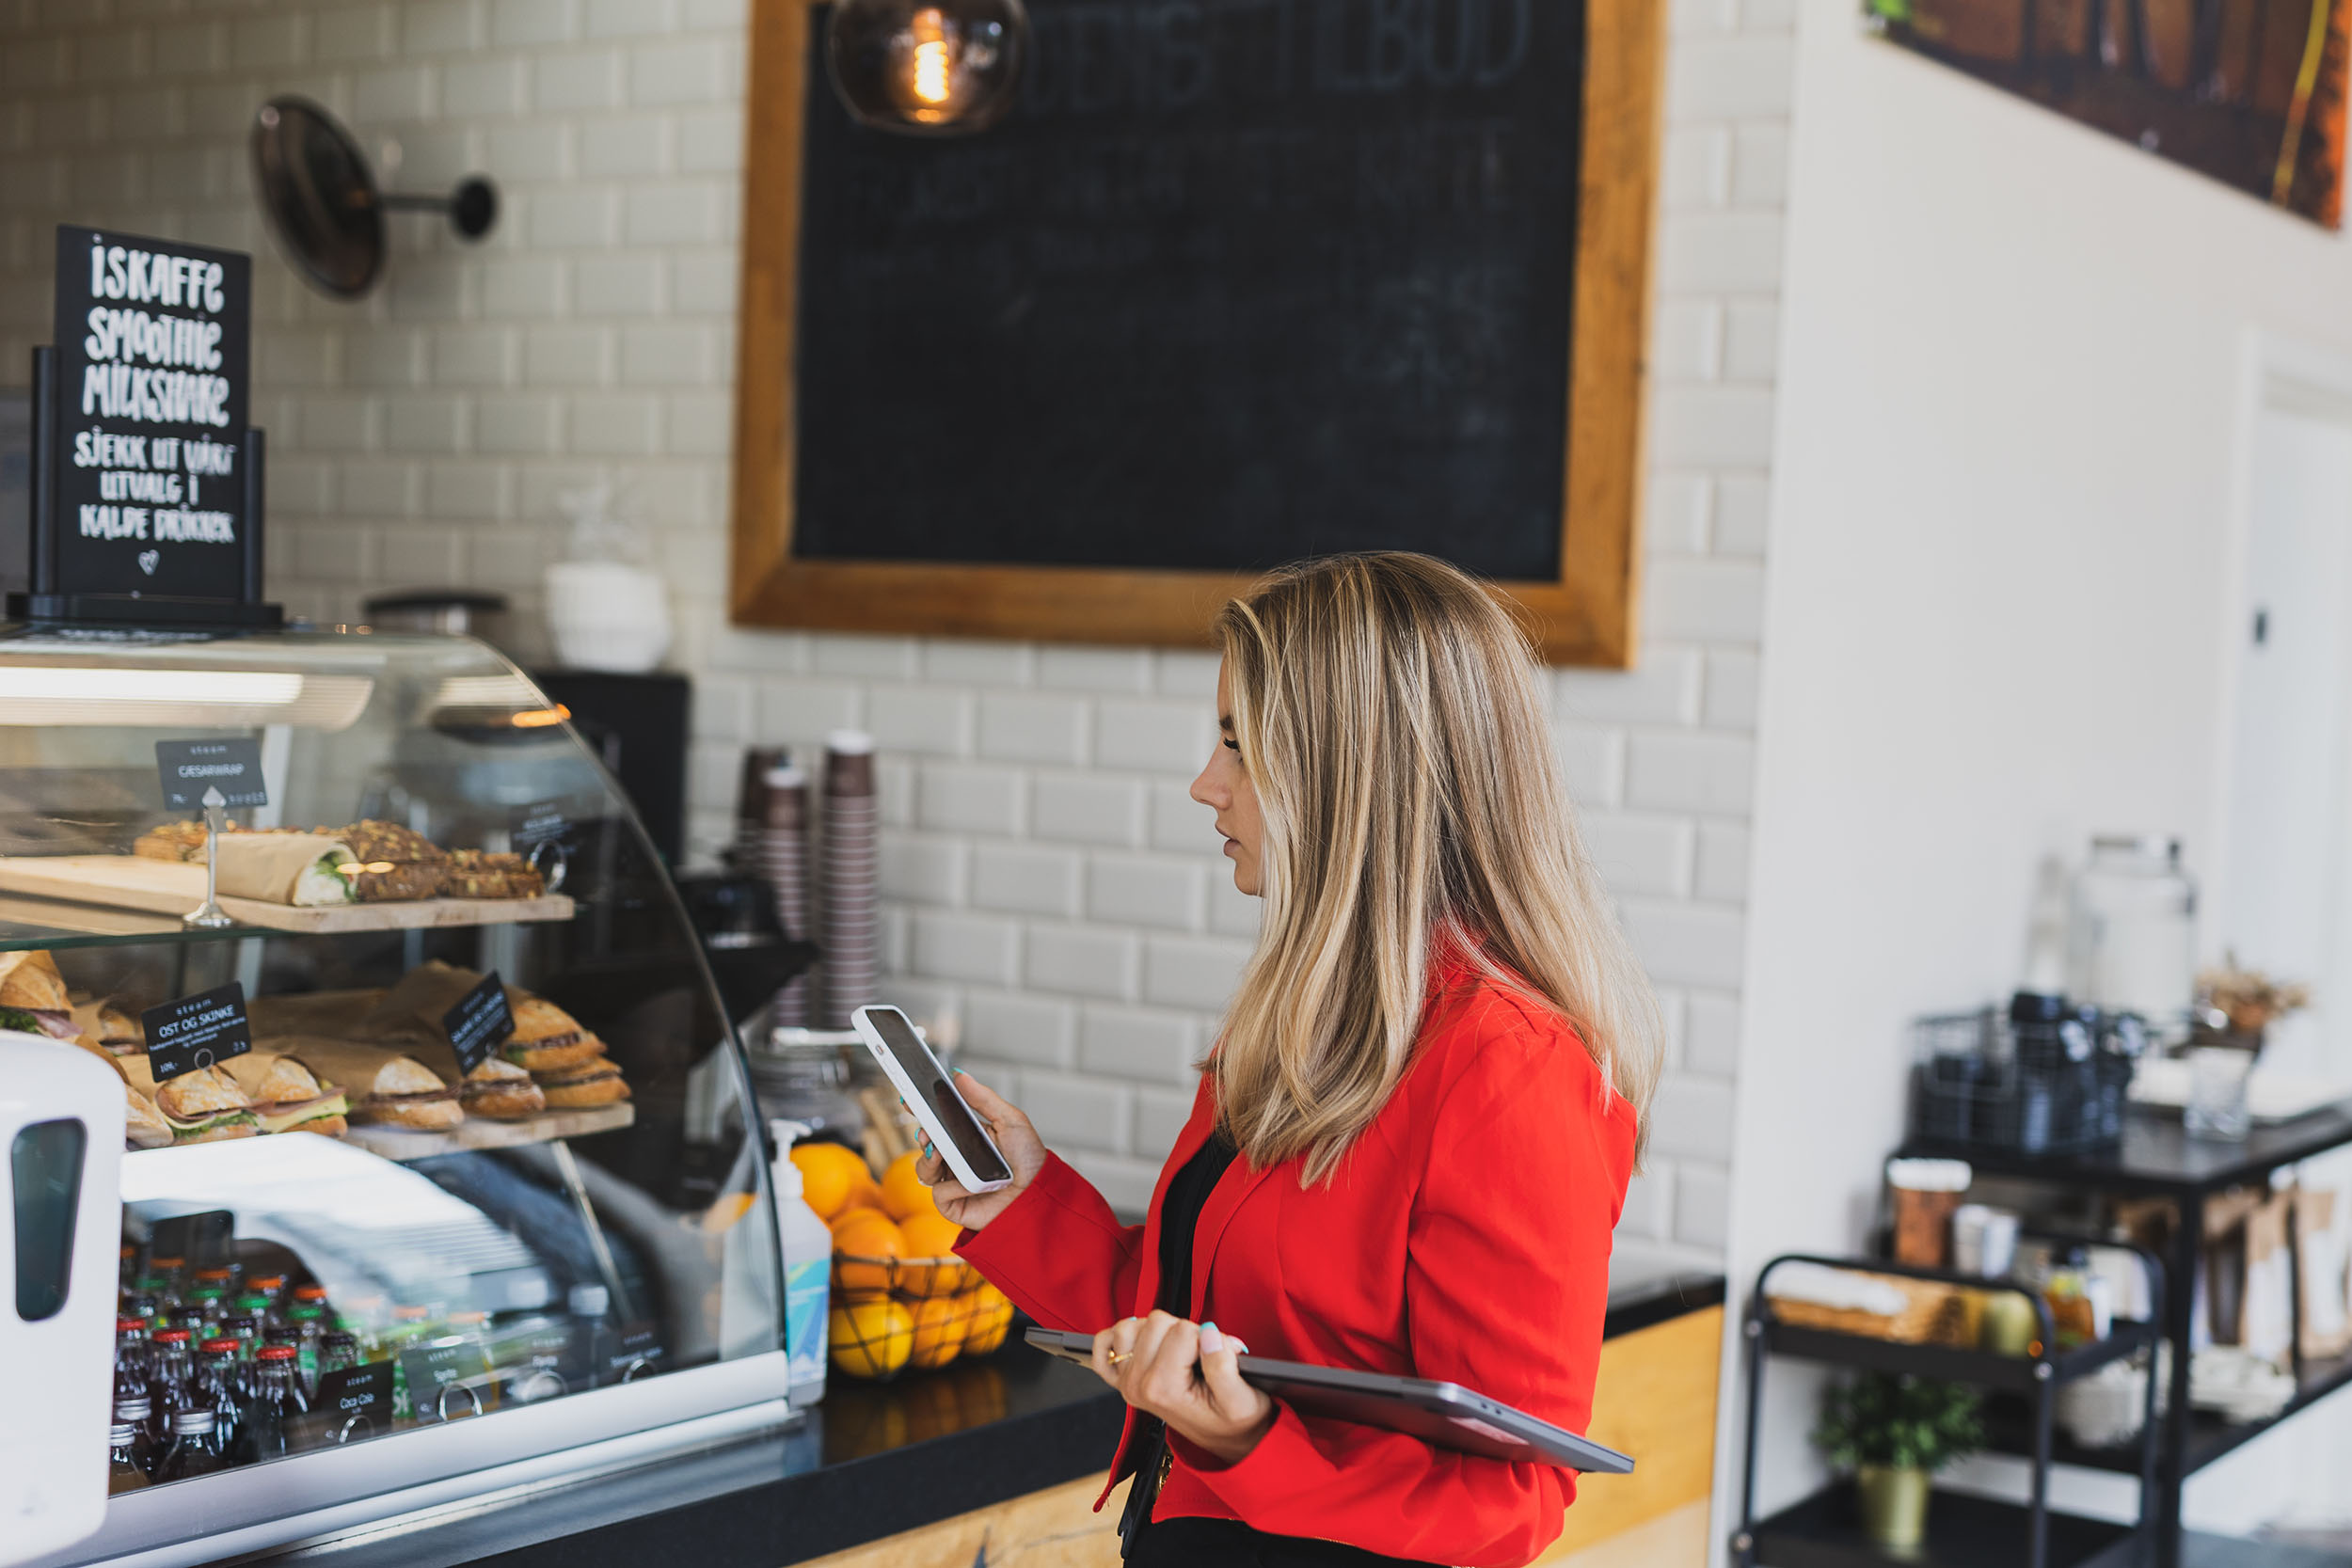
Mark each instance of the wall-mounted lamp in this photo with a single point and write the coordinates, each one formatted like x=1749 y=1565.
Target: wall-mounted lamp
x=927 y=67
x=323 y=204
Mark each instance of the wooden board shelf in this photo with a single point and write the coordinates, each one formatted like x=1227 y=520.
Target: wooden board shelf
x=175 y=887
x=402 y=1143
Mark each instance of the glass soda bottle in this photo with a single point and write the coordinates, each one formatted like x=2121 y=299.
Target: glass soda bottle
x=276 y=1404
x=170 y=1376
x=270 y=1293
x=147 y=1433
x=220 y=1384
x=130 y=1358
x=124 y=1470
x=196 y=1447
x=169 y=1276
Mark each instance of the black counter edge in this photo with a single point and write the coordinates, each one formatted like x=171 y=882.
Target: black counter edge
x=794 y=1518
x=1672 y=1298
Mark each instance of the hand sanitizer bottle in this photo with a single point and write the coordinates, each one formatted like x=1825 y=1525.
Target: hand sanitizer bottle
x=807 y=1249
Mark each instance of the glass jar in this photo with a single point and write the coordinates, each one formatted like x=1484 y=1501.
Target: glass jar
x=806 y=1075
x=2132 y=932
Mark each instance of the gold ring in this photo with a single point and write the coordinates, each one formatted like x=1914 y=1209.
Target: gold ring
x=1115 y=1358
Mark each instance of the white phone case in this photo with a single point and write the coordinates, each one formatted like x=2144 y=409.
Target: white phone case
x=924 y=1114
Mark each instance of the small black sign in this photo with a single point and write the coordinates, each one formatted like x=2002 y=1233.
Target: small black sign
x=640 y=1346
x=364 y=1390
x=150 y=424
x=480 y=1021
x=448 y=1380
x=189 y=768
x=197 y=1030
x=541 y=822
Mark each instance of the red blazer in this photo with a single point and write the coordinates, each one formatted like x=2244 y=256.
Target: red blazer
x=1465 y=1237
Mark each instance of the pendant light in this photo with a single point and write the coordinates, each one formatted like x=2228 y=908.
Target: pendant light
x=927 y=67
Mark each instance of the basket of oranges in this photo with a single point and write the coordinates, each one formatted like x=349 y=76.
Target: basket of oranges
x=902 y=1298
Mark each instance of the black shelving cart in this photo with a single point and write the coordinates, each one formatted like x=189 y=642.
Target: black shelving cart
x=2157 y=1158
x=1823 y=1531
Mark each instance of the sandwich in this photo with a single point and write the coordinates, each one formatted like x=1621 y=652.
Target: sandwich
x=578 y=1088
x=501 y=1090
x=549 y=1040
x=33 y=997
x=397 y=864
x=288 y=1097
x=306 y=871
x=143 y=1126
x=488 y=874
x=117 y=1032
x=407 y=1093
x=205 y=1106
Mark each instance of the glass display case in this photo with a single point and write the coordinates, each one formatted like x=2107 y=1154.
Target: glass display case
x=390 y=1256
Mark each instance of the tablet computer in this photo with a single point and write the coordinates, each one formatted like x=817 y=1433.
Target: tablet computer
x=1445 y=1413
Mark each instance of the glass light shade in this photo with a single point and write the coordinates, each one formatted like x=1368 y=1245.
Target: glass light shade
x=939 y=67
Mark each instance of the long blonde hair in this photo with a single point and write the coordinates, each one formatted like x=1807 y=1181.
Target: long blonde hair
x=1390 y=716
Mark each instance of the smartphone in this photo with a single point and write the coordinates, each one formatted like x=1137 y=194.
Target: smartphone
x=931 y=1094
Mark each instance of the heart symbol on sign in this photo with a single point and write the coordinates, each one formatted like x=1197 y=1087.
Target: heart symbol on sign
x=148 y=560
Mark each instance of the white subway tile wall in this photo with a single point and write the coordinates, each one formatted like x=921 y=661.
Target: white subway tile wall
x=1049 y=891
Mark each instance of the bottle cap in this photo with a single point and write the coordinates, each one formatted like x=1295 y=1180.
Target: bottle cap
x=122 y=1433
x=129 y=1325
x=171 y=1336
x=226 y=1344
x=162 y=1264
x=590 y=1301
x=275 y=1353
x=133 y=1410
x=311 y=1292
x=191 y=1423
x=412 y=1314
x=268 y=1282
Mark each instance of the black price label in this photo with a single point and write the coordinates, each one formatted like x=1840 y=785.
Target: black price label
x=197 y=1030
x=480 y=1021
x=541 y=822
x=190 y=768
x=639 y=1347
x=362 y=1390
x=448 y=1381
x=149 y=425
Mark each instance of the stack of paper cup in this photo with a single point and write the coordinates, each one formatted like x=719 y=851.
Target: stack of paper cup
x=846 y=866
x=783 y=859
x=751 y=802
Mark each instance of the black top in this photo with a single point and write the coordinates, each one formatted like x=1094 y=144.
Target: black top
x=2157 y=1157
x=1221 y=1543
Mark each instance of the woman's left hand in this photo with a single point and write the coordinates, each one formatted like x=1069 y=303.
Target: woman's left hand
x=1189 y=1377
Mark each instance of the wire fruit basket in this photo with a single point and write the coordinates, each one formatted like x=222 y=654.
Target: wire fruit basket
x=925 y=1313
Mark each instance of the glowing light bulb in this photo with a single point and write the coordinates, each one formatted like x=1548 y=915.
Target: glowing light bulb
x=926 y=67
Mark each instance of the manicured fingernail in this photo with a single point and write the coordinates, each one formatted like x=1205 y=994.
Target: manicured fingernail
x=1211 y=1340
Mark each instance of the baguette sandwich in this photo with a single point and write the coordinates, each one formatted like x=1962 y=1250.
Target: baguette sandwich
x=501 y=1090
x=33 y=997
x=288 y=1097
x=598 y=1082
x=407 y=1093
x=143 y=1126
x=549 y=1040
x=205 y=1106
x=117 y=1031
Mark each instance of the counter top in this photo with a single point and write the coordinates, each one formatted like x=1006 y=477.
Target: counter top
x=871 y=1460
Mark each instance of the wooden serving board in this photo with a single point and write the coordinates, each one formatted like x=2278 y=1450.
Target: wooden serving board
x=402 y=1143
x=175 y=887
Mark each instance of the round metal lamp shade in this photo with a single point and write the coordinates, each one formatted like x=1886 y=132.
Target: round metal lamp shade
x=320 y=197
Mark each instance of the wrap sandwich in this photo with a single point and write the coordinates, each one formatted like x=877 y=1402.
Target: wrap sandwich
x=307 y=871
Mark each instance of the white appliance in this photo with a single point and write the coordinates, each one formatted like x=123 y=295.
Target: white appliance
x=60 y=1229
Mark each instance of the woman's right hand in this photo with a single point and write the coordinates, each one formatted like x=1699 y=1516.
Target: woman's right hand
x=1023 y=1150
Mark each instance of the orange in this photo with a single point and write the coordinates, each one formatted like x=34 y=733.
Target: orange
x=871 y=1338
x=863 y=1234
x=904 y=1192
x=940 y=1326
x=991 y=1320
x=830 y=1176
x=930 y=1236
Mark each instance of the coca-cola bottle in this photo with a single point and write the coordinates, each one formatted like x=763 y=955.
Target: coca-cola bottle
x=132 y=1351
x=196 y=1447
x=221 y=1374
x=275 y=1407
x=171 y=1379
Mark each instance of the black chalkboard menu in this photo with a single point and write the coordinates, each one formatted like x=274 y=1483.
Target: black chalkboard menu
x=146 y=495
x=1236 y=281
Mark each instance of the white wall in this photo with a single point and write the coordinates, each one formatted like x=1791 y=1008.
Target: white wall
x=2002 y=589
x=1045 y=881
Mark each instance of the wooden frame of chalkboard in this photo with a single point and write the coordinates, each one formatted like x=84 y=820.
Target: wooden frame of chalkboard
x=1580 y=608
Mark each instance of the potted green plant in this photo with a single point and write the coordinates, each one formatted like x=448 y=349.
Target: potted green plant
x=1894 y=1432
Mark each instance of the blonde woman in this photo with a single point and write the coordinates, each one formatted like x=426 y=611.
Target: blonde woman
x=1411 y=1143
